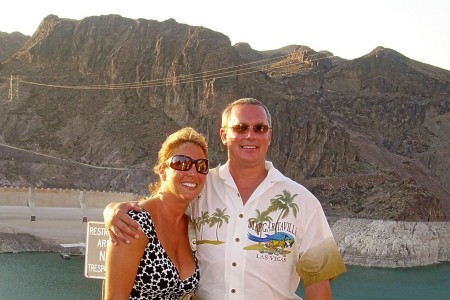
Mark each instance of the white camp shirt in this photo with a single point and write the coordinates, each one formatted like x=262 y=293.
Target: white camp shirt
x=258 y=250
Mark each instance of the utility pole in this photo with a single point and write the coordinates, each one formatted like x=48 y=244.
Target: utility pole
x=13 y=88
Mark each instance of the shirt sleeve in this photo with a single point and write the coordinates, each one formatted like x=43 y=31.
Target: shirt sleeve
x=320 y=258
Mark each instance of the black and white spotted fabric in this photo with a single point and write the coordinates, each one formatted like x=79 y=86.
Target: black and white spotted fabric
x=157 y=276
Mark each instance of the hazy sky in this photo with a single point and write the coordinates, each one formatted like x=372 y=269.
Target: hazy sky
x=417 y=29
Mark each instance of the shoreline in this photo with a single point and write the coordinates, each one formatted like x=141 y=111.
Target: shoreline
x=392 y=244
x=362 y=242
x=25 y=242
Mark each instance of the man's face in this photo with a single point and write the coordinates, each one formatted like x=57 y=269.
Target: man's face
x=249 y=147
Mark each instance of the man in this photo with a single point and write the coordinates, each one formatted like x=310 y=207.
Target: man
x=257 y=231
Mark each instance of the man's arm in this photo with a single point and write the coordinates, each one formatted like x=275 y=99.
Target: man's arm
x=319 y=291
x=119 y=224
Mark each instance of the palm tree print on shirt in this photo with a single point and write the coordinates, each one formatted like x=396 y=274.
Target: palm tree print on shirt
x=217 y=219
x=277 y=242
x=200 y=222
x=258 y=221
x=285 y=203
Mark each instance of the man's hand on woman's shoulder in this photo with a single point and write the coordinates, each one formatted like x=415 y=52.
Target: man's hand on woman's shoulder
x=120 y=225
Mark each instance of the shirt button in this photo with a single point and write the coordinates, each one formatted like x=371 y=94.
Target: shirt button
x=233 y=264
x=233 y=291
x=241 y=216
x=237 y=240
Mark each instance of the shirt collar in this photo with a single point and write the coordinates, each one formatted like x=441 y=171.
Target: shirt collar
x=273 y=174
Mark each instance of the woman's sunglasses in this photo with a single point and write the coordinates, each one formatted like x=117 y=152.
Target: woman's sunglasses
x=184 y=163
x=243 y=128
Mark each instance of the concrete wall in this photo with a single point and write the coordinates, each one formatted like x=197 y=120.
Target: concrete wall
x=12 y=196
x=58 y=215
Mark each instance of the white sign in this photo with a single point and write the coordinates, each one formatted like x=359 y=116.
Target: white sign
x=96 y=241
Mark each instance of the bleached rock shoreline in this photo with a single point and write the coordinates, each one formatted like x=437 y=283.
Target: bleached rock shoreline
x=363 y=242
x=24 y=242
x=392 y=244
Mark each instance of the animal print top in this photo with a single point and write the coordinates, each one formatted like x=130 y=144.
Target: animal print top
x=157 y=276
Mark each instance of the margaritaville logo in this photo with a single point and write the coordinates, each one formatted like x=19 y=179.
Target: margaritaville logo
x=272 y=235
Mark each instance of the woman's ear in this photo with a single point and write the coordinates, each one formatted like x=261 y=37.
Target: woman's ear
x=162 y=173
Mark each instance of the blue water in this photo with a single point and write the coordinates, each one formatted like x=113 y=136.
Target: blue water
x=39 y=276
x=36 y=276
x=430 y=283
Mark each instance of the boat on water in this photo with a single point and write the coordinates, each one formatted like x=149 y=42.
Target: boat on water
x=75 y=249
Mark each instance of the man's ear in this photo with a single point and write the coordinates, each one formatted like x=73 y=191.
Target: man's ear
x=223 y=136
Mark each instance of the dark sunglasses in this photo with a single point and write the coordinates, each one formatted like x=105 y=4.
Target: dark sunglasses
x=243 y=128
x=184 y=163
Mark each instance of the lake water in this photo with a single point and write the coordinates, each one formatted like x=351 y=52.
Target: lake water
x=36 y=276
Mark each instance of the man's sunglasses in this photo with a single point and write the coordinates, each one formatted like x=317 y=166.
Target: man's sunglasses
x=243 y=128
x=184 y=163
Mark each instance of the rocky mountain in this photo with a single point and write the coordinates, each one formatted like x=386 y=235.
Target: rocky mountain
x=10 y=43
x=85 y=104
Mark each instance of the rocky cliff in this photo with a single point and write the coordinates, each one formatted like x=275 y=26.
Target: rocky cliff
x=11 y=43
x=97 y=96
x=392 y=244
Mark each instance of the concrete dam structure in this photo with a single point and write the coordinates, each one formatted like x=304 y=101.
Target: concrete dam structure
x=57 y=215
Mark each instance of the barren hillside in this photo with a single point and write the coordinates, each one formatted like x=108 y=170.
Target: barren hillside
x=91 y=100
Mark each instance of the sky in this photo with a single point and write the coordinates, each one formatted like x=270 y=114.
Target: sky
x=349 y=29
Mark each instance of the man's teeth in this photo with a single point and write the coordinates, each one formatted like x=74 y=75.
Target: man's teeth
x=249 y=147
x=189 y=184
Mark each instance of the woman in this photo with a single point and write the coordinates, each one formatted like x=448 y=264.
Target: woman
x=160 y=263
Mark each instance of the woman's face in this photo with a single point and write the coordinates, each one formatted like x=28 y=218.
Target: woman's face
x=185 y=184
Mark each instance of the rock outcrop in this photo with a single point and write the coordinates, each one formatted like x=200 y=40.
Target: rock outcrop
x=392 y=244
x=24 y=242
x=10 y=43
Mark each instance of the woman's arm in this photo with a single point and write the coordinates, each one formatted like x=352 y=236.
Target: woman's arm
x=122 y=263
